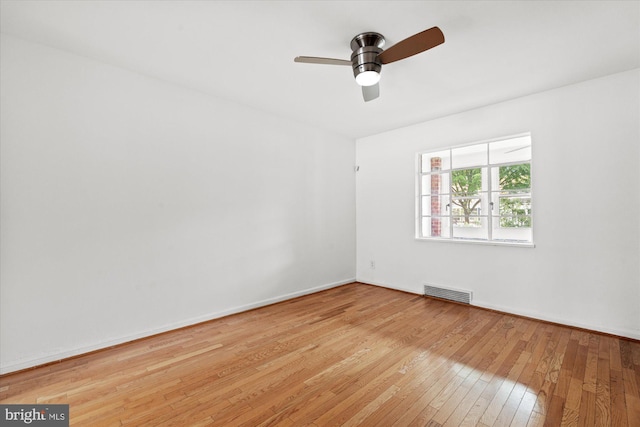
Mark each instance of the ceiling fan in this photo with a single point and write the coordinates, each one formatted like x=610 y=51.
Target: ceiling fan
x=368 y=56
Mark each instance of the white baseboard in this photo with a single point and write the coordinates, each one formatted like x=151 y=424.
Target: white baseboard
x=626 y=333
x=30 y=363
x=385 y=285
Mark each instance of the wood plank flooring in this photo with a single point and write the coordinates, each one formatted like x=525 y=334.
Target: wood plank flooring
x=356 y=355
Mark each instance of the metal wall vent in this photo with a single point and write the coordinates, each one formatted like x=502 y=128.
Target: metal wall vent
x=457 y=295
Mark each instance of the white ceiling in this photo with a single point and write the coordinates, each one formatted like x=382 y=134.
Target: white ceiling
x=243 y=50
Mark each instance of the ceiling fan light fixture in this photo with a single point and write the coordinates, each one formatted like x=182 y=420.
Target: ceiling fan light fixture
x=368 y=78
x=367 y=56
x=366 y=66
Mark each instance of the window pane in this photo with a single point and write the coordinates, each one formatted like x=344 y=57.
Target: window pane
x=515 y=178
x=466 y=207
x=515 y=221
x=435 y=205
x=435 y=184
x=424 y=227
x=425 y=205
x=435 y=161
x=425 y=187
x=466 y=182
x=512 y=234
x=467 y=221
x=510 y=150
x=435 y=227
x=511 y=206
x=515 y=207
x=475 y=229
x=473 y=155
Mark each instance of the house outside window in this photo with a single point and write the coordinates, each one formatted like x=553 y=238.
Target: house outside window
x=479 y=192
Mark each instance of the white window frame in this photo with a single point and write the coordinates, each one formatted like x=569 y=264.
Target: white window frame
x=487 y=198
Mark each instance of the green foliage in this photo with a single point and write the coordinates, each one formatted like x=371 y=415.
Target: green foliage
x=515 y=177
x=515 y=212
x=466 y=183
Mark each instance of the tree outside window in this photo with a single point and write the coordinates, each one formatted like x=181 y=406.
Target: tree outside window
x=466 y=185
x=515 y=198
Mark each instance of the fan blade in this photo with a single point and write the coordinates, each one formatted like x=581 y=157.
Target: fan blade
x=413 y=45
x=370 y=93
x=316 y=60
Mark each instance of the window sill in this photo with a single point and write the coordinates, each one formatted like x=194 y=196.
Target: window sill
x=478 y=242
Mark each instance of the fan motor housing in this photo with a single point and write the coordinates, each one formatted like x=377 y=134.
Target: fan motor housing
x=366 y=47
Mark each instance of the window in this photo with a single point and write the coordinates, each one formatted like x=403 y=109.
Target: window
x=479 y=192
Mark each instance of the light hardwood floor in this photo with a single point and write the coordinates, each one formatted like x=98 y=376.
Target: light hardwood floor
x=353 y=355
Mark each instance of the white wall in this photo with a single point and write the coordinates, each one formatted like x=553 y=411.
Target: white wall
x=131 y=206
x=585 y=268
